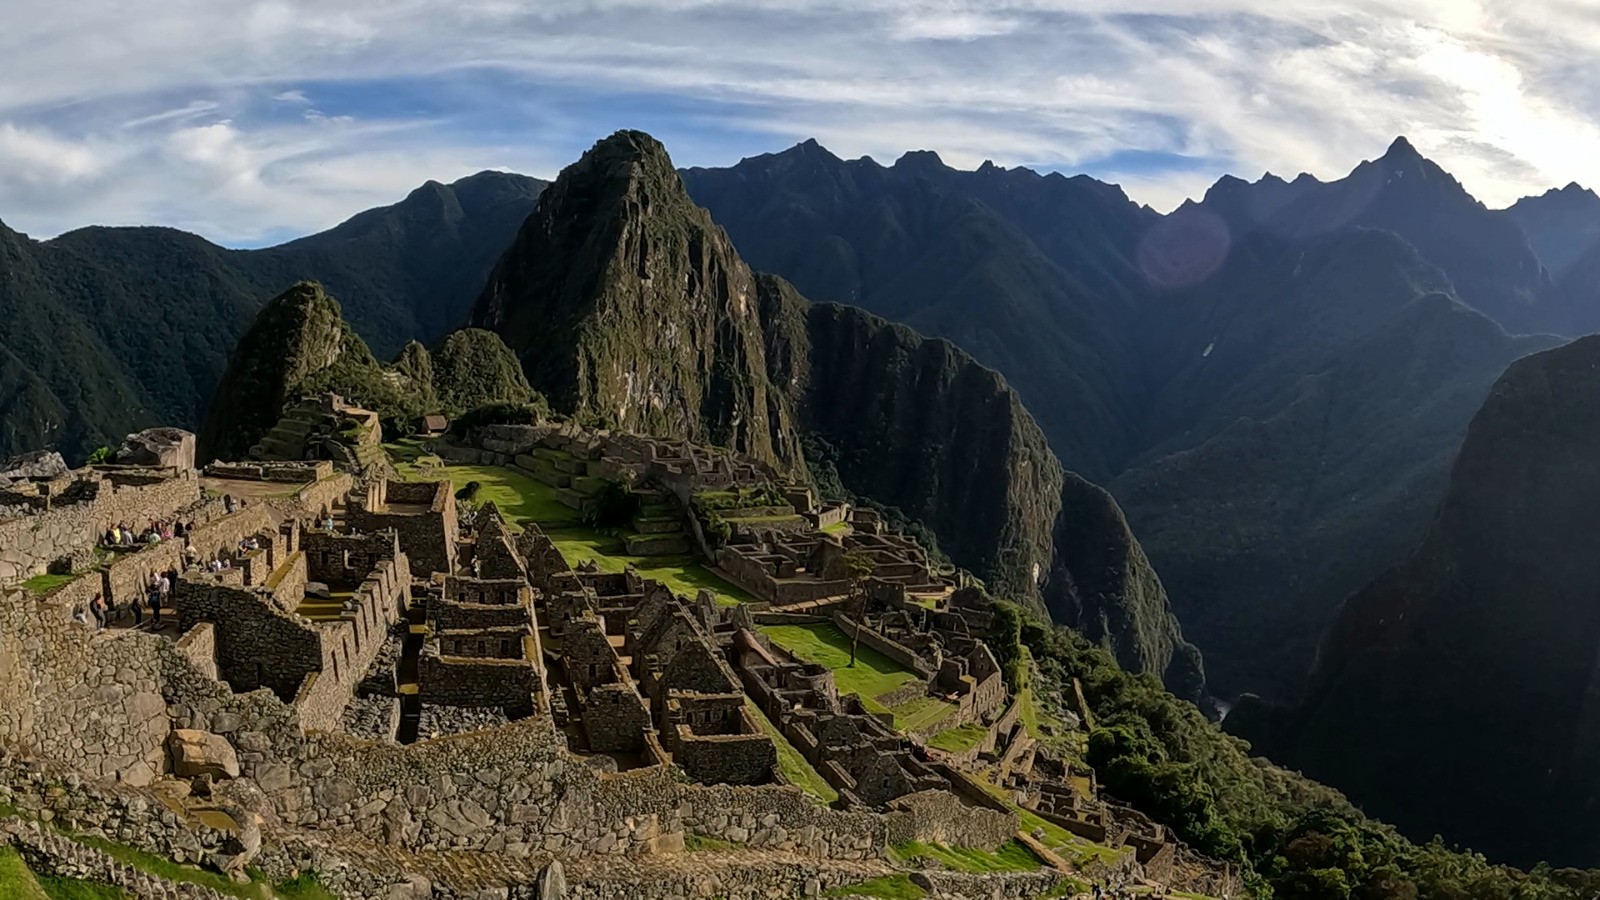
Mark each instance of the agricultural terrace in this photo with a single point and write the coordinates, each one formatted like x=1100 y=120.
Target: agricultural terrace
x=872 y=676
x=522 y=500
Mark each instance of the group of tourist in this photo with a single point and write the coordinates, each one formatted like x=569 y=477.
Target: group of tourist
x=153 y=596
x=124 y=535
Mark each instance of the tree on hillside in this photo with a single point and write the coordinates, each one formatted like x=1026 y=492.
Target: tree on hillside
x=854 y=567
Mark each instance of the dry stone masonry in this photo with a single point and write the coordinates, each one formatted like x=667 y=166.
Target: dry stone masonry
x=352 y=679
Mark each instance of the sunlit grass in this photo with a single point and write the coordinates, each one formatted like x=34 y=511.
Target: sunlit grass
x=796 y=770
x=872 y=676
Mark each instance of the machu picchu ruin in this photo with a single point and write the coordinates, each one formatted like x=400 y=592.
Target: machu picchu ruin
x=336 y=639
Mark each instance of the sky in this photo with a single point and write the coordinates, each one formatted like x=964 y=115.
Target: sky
x=253 y=122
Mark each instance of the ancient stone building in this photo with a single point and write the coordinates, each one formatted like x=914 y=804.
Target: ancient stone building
x=423 y=513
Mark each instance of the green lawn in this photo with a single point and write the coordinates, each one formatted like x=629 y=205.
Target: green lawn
x=517 y=496
x=872 y=676
x=794 y=767
x=920 y=713
x=522 y=498
x=959 y=739
x=685 y=574
x=1013 y=856
x=44 y=584
x=162 y=867
x=16 y=881
x=887 y=887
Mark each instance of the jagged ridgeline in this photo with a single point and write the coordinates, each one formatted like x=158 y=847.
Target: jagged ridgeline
x=628 y=307
x=300 y=344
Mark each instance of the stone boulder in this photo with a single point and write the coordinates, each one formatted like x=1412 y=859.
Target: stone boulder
x=158 y=447
x=201 y=753
x=35 y=464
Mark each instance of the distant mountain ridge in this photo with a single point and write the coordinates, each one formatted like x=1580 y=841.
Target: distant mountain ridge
x=1199 y=363
x=109 y=330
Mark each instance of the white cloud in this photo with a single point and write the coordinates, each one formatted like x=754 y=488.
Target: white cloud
x=101 y=93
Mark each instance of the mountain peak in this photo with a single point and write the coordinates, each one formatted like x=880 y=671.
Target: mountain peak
x=920 y=161
x=1401 y=150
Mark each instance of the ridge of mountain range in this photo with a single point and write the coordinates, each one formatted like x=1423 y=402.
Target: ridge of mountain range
x=1272 y=381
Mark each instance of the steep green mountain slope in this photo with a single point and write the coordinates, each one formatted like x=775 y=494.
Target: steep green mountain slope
x=300 y=344
x=1029 y=274
x=109 y=330
x=1318 y=392
x=629 y=306
x=1271 y=400
x=1289 y=834
x=471 y=368
x=1456 y=693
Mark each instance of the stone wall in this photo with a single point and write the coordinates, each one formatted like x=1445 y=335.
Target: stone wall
x=474 y=682
x=261 y=643
x=895 y=651
x=50 y=853
x=992 y=885
x=725 y=758
x=199 y=646
x=939 y=817
x=427 y=538
x=29 y=543
x=127 y=574
x=74 y=694
x=325 y=493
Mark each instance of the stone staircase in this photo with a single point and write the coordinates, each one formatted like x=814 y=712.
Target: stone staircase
x=50 y=853
x=657 y=529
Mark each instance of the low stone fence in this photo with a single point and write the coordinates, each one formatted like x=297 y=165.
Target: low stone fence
x=992 y=885
x=939 y=817
x=895 y=651
x=325 y=493
x=49 y=853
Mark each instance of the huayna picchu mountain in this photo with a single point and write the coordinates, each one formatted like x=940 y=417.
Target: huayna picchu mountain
x=629 y=307
x=1457 y=693
x=111 y=330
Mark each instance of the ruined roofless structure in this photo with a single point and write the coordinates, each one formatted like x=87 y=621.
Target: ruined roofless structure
x=294 y=693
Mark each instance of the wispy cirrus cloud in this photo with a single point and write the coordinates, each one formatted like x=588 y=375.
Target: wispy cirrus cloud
x=249 y=121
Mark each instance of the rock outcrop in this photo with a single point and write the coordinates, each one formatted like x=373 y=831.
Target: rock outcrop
x=168 y=447
x=1459 y=693
x=629 y=307
x=197 y=754
x=37 y=464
